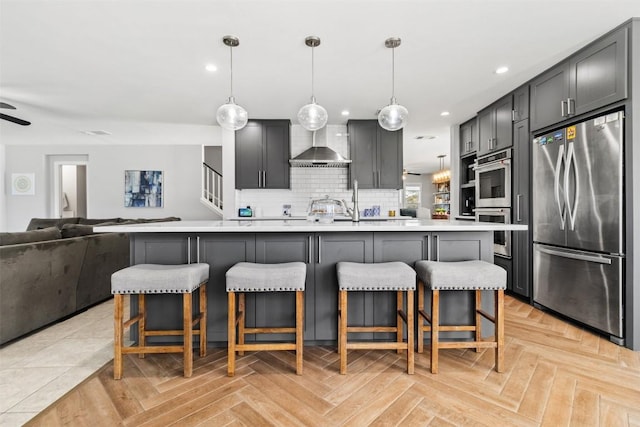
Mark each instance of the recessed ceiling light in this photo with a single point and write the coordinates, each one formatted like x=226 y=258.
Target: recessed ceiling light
x=444 y=113
x=211 y=68
x=345 y=112
x=425 y=137
x=502 y=70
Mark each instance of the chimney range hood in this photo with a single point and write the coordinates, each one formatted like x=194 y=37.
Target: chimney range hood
x=319 y=156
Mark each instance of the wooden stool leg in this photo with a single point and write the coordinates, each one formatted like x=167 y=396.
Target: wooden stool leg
x=342 y=332
x=142 y=323
x=187 y=325
x=499 y=316
x=117 y=335
x=231 y=334
x=435 y=326
x=241 y=320
x=478 y=320
x=203 y=320
x=399 y=319
x=299 y=330
x=410 y=327
x=420 y=319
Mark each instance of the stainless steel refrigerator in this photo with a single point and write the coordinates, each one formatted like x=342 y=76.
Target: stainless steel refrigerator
x=578 y=227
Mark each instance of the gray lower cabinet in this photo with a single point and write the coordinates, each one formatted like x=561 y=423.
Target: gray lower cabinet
x=277 y=309
x=320 y=252
x=221 y=251
x=520 y=240
x=332 y=248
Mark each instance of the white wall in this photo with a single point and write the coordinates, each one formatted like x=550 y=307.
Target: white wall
x=3 y=198
x=181 y=166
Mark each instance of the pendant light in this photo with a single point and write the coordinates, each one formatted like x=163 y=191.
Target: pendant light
x=443 y=175
x=231 y=116
x=312 y=116
x=394 y=116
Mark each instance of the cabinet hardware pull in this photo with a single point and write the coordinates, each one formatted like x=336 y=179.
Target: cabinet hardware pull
x=188 y=250
x=571 y=111
x=198 y=249
x=429 y=249
x=264 y=179
x=562 y=107
x=309 y=250
x=518 y=219
x=319 y=249
x=379 y=179
x=259 y=178
x=437 y=245
x=513 y=115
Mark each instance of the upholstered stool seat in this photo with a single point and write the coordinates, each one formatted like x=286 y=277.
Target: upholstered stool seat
x=475 y=276
x=145 y=279
x=386 y=276
x=251 y=277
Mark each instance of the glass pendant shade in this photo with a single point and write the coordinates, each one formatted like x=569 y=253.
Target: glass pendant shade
x=393 y=116
x=232 y=116
x=313 y=116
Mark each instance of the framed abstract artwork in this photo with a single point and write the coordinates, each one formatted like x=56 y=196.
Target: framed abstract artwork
x=143 y=189
x=23 y=184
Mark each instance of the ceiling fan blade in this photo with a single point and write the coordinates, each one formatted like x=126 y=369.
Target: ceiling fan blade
x=5 y=105
x=14 y=120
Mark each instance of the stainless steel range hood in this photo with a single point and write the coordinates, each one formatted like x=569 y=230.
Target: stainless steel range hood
x=319 y=156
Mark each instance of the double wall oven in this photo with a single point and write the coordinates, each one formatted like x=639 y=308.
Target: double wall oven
x=493 y=196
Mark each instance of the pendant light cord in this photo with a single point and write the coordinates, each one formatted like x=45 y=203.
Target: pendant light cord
x=231 y=80
x=393 y=73
x=313 y=97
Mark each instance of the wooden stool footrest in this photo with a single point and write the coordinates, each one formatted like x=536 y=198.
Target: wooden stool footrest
x=372 y=345
x=269 y=330
x=153 y=349
x=467 y=344
x=265 y=346
x=372 y=329
x=179 y=332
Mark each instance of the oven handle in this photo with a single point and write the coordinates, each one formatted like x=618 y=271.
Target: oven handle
x=498 y=164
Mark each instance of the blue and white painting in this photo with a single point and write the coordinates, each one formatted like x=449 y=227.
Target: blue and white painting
x=142 y=189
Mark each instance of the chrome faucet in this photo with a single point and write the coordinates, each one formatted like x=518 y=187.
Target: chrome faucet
x=355 y=214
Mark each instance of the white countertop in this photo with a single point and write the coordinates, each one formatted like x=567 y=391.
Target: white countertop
x=300 y=225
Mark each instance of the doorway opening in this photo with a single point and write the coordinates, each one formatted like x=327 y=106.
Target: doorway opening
x=68 y=193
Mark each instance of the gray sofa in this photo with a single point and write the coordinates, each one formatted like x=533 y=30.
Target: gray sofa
x=55 y=269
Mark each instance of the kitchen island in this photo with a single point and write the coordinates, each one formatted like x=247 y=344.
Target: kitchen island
x=221 y=244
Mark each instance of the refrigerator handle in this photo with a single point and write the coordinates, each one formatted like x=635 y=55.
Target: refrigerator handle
x=579 y=257
x=571 y=167
x=556 y=185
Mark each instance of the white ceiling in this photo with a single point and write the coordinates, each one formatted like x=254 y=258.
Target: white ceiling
x=76 y=64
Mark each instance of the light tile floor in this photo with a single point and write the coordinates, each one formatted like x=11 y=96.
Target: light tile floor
x=37 y=370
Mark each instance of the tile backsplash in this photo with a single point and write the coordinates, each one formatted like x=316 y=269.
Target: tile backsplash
x=315 y=183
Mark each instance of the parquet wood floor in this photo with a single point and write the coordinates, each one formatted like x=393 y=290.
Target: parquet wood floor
x=556 y=374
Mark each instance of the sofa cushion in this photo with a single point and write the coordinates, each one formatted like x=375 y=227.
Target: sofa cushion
x=77 y=230
x=39 y=223
x=49 y=233
x=92 y=221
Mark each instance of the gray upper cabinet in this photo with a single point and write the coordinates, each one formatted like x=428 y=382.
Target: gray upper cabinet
x=469 y=137
x=376 y=155
x=494 y=126
x=262 y=154
x=592 y=78
x=521 y=104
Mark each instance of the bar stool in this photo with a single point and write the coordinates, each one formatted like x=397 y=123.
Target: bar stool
x=475 y=276
x=250 y=277
x=387 y=276
x=145 y=279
